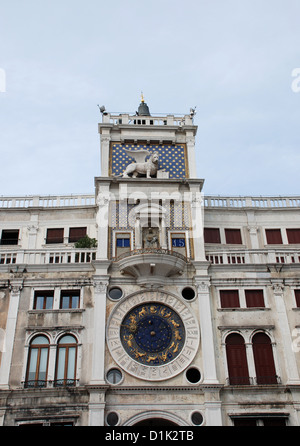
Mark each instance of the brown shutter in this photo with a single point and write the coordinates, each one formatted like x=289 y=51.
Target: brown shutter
x=273 y=236
x=263 y=359
x=254 y=298
x=55 y=235
x=293 y=235
x=233 y=236
x=229 y=299
x=76 y=234
x=237 y=360
x=212 y=235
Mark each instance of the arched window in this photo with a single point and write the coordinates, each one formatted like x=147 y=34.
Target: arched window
x=237 y=360
x=263 y=359
x=37 y=366
x=65 y=372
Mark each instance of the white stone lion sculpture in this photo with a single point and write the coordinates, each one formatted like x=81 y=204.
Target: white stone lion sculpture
x=142 y=167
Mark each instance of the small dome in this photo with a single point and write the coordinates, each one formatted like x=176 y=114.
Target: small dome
x=143 y=109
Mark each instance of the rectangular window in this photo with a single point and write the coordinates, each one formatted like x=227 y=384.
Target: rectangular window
x=10 y=237
x=273 y=236
x=178 y=242
x=293 y=235
x=123 y=242
x=69 y=299
x=55 y=236
x=43 y=300
x=76 y=234
x=233 y=236
x=254 y=298
x=229 y=299
x=212 y=235
x=297 y=297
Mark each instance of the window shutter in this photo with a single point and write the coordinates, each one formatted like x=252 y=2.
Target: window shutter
x=254 y=298
x=263 y=359
x=55 y=235
x=212 y=235
x=233 y=236
x=237 y=360
x=229 y=299
x=293 y=235
x=76 y=234
x=297 y=297
x=273 y=236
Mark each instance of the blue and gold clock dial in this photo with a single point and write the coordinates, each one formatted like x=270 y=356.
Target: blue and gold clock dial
x=152 y=334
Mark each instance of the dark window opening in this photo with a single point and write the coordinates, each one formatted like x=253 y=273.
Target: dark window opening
x=10 y=237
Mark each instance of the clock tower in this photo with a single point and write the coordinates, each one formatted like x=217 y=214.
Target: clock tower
x=153 y=339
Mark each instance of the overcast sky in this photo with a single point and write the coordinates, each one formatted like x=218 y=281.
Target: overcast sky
x=233 y=59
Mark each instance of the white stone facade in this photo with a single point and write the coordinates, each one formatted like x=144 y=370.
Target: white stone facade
x=217 y=277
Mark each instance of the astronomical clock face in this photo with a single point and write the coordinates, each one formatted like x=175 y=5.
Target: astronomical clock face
x=153 y=336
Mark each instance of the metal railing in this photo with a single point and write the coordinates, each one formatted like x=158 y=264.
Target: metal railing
x=253 y=381
x=33 y=384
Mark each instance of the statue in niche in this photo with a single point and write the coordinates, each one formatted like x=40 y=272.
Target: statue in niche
x=150 y=238
x=141 y=166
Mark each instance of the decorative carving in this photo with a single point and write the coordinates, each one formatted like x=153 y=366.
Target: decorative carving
x=150 y=238
x=203 y=287
x=278 y=287
x=102 y=200
x=100 y=286
x=33 y=229
x=142 y=167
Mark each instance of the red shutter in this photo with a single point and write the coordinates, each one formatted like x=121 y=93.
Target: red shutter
x=273 y=236
x=233 y=236
x=254 y=298
x=297 y=297
x=237 y=360
x=293 y=235
x=212 y=235
x=229 y=299
x=263 y=359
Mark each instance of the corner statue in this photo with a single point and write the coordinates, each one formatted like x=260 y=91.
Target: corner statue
x=142 y=167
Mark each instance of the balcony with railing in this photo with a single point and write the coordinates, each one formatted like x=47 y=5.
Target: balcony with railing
x=151 y=263
x=47 y=256
x=254 y=256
